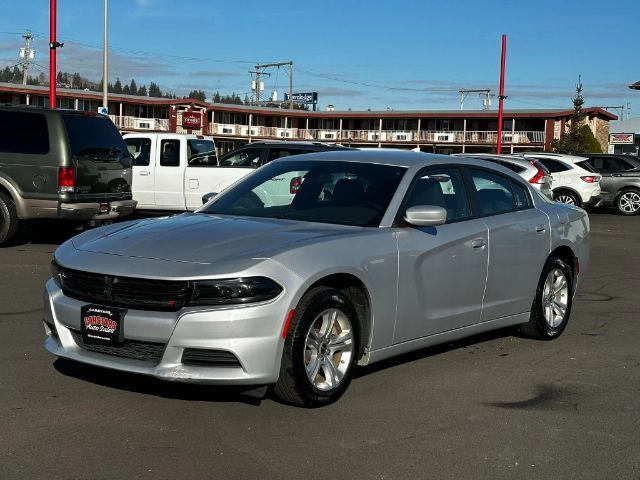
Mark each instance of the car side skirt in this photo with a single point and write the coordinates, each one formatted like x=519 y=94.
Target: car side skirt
x=444 y=337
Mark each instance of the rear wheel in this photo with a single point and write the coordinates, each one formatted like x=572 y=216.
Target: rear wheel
x=628 y=202
x=8 y=219
x=320 y=349
x=552 y=304
x=569 y=198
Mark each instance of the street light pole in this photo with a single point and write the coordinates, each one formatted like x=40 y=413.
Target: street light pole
x=105 y=61
x=52 y=53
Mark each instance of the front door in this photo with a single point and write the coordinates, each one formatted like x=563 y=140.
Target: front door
x=442 y=270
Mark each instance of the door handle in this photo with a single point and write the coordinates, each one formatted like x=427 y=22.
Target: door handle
x=616 y=175
x=540 y=228
x=144 y=172
x=478 y=243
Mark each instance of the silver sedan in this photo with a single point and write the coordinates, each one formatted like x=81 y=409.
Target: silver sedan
x=315 y=264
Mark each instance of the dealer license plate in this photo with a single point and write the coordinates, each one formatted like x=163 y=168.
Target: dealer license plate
x=101 y=325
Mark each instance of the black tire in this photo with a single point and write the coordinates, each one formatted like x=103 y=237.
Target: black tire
x=538 y=326
x=570 y=198
x=626 y=202
x=8 y=219
x=294 y=386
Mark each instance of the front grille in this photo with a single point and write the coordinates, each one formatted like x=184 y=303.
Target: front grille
x=125 y=292
x=209 y=358
x=134 y=349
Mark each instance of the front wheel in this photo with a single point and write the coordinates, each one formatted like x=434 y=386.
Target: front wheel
x=552 y=304
x=320 y=349
x=628 y=202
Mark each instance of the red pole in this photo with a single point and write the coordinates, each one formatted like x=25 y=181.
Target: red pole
x=52 y=54
x=501 y=94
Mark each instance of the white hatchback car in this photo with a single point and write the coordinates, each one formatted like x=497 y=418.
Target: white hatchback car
x=572 y=184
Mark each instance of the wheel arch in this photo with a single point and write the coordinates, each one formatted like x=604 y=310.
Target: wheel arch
x=356 y=290
x=8 y=188
x=568 y=256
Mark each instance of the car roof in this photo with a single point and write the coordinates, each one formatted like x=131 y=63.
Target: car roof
x=397 y=158
x=556 y=156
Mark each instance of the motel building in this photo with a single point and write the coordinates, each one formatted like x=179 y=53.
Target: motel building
x=437 y=131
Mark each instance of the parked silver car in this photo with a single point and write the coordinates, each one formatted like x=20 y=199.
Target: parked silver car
x=530 y=169
x=408 y=250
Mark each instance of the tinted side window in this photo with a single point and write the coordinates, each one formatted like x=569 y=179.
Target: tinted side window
x=92 y=134
x=170 y=153
x=512 y=166
x=140 y=150
x=493 y=193
x=23 y=132
x=441 y=188
x=275 y=153
x=248 y=157
x=553 y=165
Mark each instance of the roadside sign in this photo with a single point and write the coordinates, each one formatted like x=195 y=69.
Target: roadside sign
x=303 y=98
x=191 y=120
x=103 y=110
x=621 y=138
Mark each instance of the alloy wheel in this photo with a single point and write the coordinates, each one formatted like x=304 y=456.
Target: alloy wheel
x=555 y=297
x=568 y=199
x=629 y=202
x=328 y=349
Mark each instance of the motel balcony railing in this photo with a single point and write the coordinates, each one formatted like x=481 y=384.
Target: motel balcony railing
x=376 y=136
x=138 y=123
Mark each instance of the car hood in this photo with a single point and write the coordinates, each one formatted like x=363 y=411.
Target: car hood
x=202 y=238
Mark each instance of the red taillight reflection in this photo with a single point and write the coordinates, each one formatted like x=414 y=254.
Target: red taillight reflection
x=590 y=179
x=538 y=178
x=66 y=179
x=294 y=185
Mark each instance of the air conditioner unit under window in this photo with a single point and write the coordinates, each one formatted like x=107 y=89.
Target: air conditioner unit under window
x=245 y=131
x=143 y=124
x=328 y=135
x=227 y=130
x=401 y=136
x=445 y=137
x=373 y=136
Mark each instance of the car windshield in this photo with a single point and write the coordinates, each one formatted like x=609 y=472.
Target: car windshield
x=343 y=193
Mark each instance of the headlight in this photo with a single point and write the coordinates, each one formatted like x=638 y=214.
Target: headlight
x=233 y=291
x=55 y=271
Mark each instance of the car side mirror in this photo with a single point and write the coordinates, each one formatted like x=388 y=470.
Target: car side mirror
x=208 y=196
x=425 y=216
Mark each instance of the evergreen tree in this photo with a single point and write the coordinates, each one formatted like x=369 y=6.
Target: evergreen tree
x=578 y=138
x=125 y=90
x=133 y=88
x=142 y=91
x=117 y=87
x=154 y=90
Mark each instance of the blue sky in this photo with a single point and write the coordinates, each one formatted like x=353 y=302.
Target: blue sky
x=376 y=54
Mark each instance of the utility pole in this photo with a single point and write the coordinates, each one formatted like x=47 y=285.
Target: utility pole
x=26 y=54
x=280 y=64
x=258 y=74
x=501 y=96
x=105 y=62
x=481 y=91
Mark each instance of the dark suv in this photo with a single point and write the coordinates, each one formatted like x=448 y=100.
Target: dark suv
x=61 y=164
x=620 y=181
x=258 y=153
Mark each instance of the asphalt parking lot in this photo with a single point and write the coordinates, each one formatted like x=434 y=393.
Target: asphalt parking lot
x=495 y=406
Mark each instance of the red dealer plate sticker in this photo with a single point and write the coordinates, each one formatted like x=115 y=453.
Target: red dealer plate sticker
x=101 y=325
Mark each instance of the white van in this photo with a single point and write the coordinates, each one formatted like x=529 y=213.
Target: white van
x=171 y=171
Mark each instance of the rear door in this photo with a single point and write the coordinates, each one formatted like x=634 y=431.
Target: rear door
x=201 y=171
x=143 y=150
x=615 y=172
x=519 y=242
x=169 y=174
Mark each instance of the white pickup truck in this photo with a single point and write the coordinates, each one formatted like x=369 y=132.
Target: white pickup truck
x=171 y=171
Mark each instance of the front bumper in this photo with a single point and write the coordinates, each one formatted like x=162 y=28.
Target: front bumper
x=250 y=333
